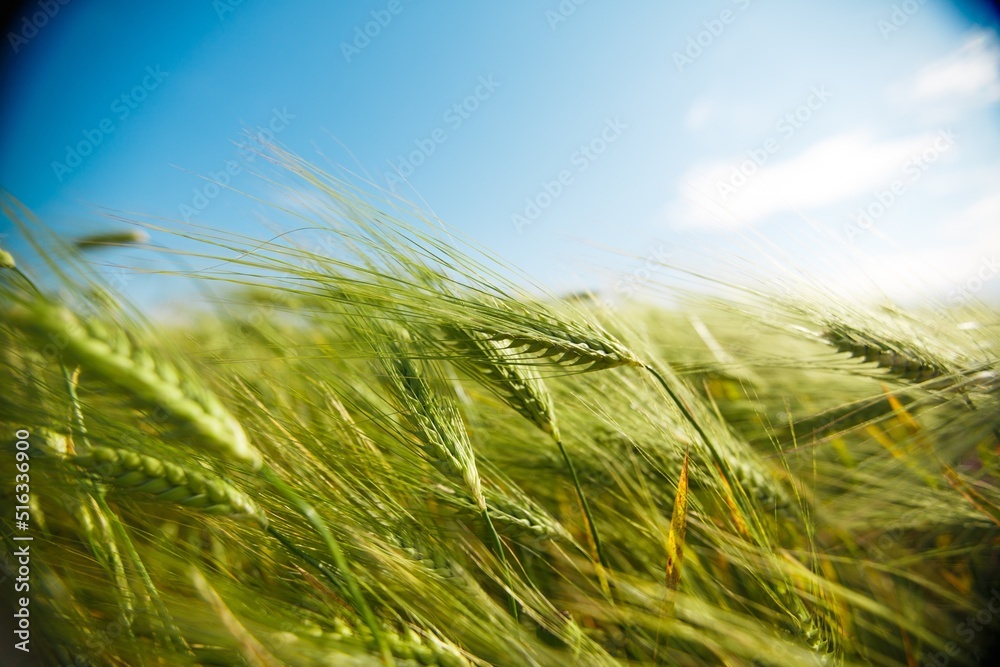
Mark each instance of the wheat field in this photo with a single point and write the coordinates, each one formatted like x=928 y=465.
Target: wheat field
x=397 y=450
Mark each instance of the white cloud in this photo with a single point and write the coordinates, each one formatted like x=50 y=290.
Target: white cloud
x=970 y=73
x=830 y=171
x=908 y=269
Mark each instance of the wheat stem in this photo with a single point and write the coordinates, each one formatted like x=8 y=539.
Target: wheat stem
x=602 y=563
x=161 y=609
x=253 y=652
x=333 y=547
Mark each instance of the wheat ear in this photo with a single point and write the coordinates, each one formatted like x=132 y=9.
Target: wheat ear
x=167 y=482
x=563 y=348
x=494 y=363
x=155 y=384
x=912 y=362
x=425 y=650
x=906 y=361
x=6 y=260
x=106 y=239
x=417 y=647
x=440 y=429
x=413 y=544
x=517 y=517
x=437 y=424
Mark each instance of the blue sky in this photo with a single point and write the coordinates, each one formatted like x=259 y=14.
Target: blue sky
x=698 y=131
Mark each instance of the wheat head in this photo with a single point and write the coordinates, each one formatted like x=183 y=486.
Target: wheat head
x=154 y=383
x=167 y=482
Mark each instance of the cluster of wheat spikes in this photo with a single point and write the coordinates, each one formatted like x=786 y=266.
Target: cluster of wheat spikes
x=379 y=445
